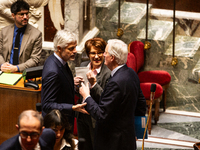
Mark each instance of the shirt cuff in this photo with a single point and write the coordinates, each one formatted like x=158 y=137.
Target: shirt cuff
x=85 y=99
x=18 y=69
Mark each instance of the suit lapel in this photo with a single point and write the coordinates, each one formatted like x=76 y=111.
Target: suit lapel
x=25 y=38
x=65 y=72
x=10 y=41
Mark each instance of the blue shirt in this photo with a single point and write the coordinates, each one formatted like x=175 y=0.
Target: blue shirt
x=13 y=44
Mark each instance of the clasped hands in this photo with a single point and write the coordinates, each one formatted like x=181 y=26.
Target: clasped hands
x=7 y=67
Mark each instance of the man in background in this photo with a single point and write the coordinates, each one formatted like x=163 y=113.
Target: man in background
x=120 y=101
x=20 y=43
x=32 y=135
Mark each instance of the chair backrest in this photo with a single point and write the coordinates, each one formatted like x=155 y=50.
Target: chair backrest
x=131 y=62
x=137 y=49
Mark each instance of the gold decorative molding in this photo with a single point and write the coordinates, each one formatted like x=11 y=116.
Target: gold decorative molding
x=147 y=45
x=174 y=61
x=120 y=32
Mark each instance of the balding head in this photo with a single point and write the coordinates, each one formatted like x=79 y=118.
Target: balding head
x=29 y=115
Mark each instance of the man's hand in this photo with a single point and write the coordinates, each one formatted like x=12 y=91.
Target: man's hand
x=84 y=90
x=6 y=67
x=80 y=108
x=91 y=77
x=77 y=82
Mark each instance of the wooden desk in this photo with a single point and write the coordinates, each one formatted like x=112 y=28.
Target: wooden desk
x=13 y=100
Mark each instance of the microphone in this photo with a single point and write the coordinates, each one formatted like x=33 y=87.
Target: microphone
x=39 y=107
x=153 y=89
x=81 y=144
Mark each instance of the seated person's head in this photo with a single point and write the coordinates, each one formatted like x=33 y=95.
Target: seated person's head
x=20 y=13
x=65 y=45
x=94 y=49
x=59 y=123
x=30 y=126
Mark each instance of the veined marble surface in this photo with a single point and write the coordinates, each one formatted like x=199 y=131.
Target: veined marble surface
x=104 y=3
x=157 y=30
x=185 y=46
x=131 y=13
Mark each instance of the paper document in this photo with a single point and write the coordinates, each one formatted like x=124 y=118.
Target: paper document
x=140 y=124
x=81 y=71
x=10 y=78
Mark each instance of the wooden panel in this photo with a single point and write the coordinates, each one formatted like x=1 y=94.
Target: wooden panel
x=12 y=102
x=183 y=5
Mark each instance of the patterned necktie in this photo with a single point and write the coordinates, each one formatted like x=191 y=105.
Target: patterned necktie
x=16 y=48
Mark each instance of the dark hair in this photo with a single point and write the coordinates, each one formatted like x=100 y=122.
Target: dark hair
x=97 y=43
x=18 y=6
x=56 y=118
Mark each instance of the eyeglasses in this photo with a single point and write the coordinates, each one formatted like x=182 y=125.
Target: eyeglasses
x=33 y=135
x=22 y=14
x=93 y=54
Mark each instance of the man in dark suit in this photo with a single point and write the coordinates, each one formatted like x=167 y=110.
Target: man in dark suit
x=30 y=41
x=32 y=134
x=57 y=79
x=120 y=101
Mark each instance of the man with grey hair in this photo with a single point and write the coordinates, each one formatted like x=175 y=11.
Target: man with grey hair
x=57 y=79
x=120 y=101
x=32 y=134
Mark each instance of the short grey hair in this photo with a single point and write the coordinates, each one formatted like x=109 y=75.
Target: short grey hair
x=119 y=49
x=63 y=38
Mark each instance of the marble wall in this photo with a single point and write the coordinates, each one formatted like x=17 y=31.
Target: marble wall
x=183 y=92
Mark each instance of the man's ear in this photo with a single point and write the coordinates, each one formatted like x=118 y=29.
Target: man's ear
x=59 y=48
x=42 y=130
x=13 y=15
x=112 y=57
x=17 y=127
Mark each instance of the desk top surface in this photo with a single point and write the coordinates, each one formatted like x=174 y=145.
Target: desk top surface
x=20 y=86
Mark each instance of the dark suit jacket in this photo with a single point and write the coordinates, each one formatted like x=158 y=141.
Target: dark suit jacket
x=31 y=46
x=114 y=114
x=57 y=88
x=46 y=141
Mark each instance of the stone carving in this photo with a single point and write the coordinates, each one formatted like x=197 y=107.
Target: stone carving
x=5 y=14
x=56 y=13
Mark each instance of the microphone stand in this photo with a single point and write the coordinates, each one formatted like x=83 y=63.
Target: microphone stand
x=153 y=89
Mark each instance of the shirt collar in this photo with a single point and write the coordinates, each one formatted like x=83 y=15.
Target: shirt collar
x=90 y=68
x=115 y=70
x=37 y=147
x=60 y=59
x=22 y=29
x=64 y=143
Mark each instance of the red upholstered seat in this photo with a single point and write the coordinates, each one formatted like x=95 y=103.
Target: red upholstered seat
x=161 y=78
x=145 y=87
x=157 y=76
x=131 y=61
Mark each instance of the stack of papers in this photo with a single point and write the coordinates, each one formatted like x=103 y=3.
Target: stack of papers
x=10 y=78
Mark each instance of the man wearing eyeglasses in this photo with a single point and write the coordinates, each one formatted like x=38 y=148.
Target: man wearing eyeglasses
x=32 y=135
x=20 y=43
